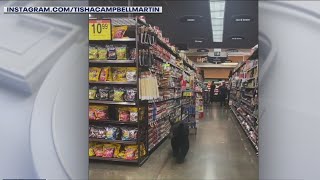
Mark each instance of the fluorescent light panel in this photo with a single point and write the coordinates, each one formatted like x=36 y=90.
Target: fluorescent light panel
x=217 y=8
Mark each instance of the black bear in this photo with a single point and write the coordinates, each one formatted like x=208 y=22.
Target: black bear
x=180 y=141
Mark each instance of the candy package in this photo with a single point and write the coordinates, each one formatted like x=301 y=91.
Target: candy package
x=102 y=53
x=112 y=55
x=111 y=133
x=121 y=52
x=129 y=134
x=93 y=93
x=119 y=74
x=94 y=73
x=119 y=31
x=131 y=74
x=104 y=74
x=124 y=114
x=93 y=53
x=104 y=93
x=130 y=94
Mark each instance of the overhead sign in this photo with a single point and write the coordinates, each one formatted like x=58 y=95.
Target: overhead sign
x=236 y=38
x=100 y=29
x=242 y=18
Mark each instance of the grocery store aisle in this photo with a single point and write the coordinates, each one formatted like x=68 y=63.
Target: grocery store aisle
x=220 y=150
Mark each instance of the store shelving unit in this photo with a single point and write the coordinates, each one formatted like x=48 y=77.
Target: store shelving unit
x=155 y=126
x=142 y=136
x=244 y=97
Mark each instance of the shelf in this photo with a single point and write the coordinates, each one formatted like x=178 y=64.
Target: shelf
x=237 y=68
x=164 y=61
x=112 y=141
x=251 y=87
x=249 y=95
x=159 y=142
x=189 y=65
x=112 y=102
x=245 y=102
x=124 y=39
x=111 y=62
x=249 y=79
x=255 y=66
x=185 y=117
x=112 y=159
x=156 y=101
x=114 y=122
x=113 y=82
x=245 y=130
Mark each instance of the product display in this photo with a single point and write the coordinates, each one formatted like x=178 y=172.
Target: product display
x=136 y=92
x=244 y=97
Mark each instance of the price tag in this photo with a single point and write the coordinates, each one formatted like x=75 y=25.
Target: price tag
x=100 y=29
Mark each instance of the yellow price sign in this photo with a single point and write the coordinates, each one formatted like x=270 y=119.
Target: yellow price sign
x=100 y=29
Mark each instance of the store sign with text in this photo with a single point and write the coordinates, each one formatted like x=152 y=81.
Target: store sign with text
x=242 y=18
x=236 y=38
x=100 y=29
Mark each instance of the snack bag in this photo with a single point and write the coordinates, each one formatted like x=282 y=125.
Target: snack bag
x=102 y=53
x=130 y=152
x=124 y=114
x=112 y=55
x=121 y=52
x=133 y=54
x=111 y=133
x=104 y=74
x=119 y=31
x=93 y=53
x=130 y=94
x=104 y=93
x=108 y=150
x=98 y=150
x=94 y=73
x=119 y=74
x=118 y=95
x=93 y=93
x=111 y=94
x=101 y=112
x=131 y=74
x=116 y=150
x=92 y=115
x=129 y=134
x=91 y=150
x=133 y=114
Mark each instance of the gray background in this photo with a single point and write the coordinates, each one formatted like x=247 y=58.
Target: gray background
x=43 y=133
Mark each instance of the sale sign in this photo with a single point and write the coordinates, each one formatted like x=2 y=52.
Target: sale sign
x=100 y=29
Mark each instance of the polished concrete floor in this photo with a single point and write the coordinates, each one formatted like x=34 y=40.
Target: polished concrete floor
x=219 y=151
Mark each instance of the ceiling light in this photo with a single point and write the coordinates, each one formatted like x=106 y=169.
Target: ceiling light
x=191 y=20
x=217 y=9
x=197 y=41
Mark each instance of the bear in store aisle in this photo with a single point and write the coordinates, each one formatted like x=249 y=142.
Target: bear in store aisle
x=180 y=141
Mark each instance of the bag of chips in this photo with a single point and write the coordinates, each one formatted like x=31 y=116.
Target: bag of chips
x=111 y=94
x=129 y=134
x=133 y=114
x=93 y=53
x=133 y=54
x=108 y=150
x=118 y=95
x=91 y=151
x=124 y=114
x=102 y=53
x=111 y=133
x=101 y=112
x=104 y=93
x=118 y=31
x=131 y=74
x=98 y=150
x=112 y=55
x=94 y=73
x=93 y=93
x=130 y=94
x=119 y=74
x=104 y=74
x=121 y=52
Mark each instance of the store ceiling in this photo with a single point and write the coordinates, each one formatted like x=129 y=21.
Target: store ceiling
x=187 y=32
